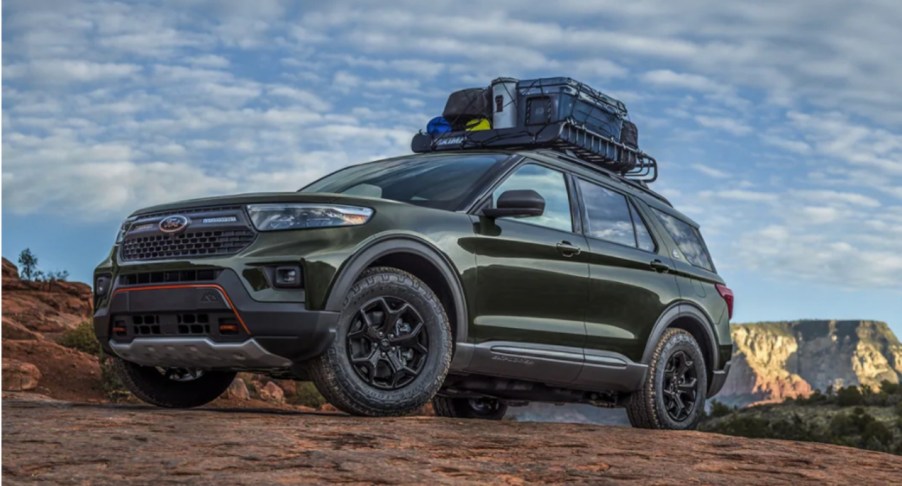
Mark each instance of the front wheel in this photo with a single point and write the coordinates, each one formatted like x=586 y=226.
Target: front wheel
x=392 y=348
x=674 y=391
x=172 y=387
x=478 y=408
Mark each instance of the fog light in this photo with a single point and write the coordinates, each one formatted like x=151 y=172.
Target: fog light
x=288 y=276
x=101 y=285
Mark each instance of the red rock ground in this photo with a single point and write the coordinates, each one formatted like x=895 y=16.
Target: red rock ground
x=64 y=443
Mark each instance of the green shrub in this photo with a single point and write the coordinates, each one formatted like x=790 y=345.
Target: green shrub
x=110 y=381
x=890 y=388
x=719 y=409
x=849 y=396
x=81 y=338
x=307 y=395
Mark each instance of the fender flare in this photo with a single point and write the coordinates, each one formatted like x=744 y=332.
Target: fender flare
x=670 y=315
x=363 y=258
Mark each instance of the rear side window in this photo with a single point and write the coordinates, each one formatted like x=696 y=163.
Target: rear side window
x=607 y=214
x=611 y=217
x=688 y=239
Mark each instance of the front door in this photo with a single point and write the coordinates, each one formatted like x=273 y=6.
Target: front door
x=532 y=273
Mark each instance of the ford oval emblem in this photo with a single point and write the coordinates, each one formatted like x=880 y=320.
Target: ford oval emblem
x=174 y=224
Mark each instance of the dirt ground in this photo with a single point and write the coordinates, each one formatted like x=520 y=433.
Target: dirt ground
x=48 y=441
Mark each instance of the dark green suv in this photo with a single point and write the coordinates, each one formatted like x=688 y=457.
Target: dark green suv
x=474 y=279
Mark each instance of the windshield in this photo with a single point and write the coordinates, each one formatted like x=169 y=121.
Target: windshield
x=436 y=181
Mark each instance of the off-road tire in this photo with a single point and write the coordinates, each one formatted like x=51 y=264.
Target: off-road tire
x=463 y=408
x=338 y=381
x=149 y=385
x=646 y=407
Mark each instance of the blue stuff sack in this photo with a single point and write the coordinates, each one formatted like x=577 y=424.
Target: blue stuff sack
x=438 y=125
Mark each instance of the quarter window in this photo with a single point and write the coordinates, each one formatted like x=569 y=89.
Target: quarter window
x=551 y=185
x=643 y=237
x=688 y=239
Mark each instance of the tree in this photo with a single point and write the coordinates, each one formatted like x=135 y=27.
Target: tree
x=28 y=264
x=849 y=396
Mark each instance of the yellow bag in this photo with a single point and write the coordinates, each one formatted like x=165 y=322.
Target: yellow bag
x=479 y=124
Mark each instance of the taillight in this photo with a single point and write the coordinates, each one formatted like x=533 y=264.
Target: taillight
x=727 y=295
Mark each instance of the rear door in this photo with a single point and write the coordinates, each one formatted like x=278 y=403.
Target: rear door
x=629 y=283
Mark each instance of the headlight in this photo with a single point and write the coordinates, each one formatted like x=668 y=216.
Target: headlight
x=273 y=217
x=124 y=229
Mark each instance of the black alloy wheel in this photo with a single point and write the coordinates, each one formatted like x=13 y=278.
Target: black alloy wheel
x=387 y=343
x=486 y=407
x=392 y=347
x=673 y=393
x=479 y=408
x=172 y=387
x=680 y=386
x=180 y=374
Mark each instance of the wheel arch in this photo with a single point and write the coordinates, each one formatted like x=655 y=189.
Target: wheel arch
x=689 y=317
x=416 y=256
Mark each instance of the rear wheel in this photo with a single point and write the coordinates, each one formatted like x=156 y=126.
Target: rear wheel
x=172 y=387
x=674 y=391
x=479 y=408
x=392 y=349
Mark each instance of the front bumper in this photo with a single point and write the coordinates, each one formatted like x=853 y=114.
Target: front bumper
x=270 y=334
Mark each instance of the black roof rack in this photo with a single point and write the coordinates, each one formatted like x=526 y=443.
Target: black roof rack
x=635 y=183
x=567 y=137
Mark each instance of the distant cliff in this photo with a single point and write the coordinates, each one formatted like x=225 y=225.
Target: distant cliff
x=773 y=361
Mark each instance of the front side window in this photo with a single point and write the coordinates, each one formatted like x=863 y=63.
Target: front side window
x=440 y=182
x=688 y=239
x=551 y=185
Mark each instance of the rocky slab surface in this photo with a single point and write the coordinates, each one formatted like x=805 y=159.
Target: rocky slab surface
x=47 y=441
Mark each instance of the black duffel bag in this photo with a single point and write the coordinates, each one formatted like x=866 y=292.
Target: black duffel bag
x=467 y=104
x=629 y=134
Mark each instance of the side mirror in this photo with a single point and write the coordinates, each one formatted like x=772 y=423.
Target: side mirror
x=517 y=203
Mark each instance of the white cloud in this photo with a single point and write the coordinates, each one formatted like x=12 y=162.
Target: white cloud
x=209 y=61
x=836 y=197
x=743 y=195
x=670 y=79
x=63 y=71
x=711 y=171
x=729 y=125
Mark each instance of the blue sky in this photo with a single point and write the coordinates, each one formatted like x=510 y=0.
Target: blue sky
x=778 y=125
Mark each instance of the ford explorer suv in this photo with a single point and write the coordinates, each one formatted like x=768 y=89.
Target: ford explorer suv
x=472 y=279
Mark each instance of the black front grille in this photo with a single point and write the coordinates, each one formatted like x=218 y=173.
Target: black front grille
x=174 y=276
x=189 y=244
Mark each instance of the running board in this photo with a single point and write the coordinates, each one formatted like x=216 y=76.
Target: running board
x=562 y=366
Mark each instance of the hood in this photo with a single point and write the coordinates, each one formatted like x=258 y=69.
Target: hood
x=261 y=198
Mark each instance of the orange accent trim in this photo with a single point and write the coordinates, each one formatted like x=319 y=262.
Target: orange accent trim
x=228 y=328
x=190 y=286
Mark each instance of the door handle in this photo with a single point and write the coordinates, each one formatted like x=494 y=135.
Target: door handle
x=568 y=249
x=660 y=266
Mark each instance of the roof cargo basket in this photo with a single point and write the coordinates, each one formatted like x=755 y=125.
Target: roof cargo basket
x=564 y=136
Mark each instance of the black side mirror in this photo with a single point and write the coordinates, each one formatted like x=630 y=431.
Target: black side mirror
x=517 y=203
